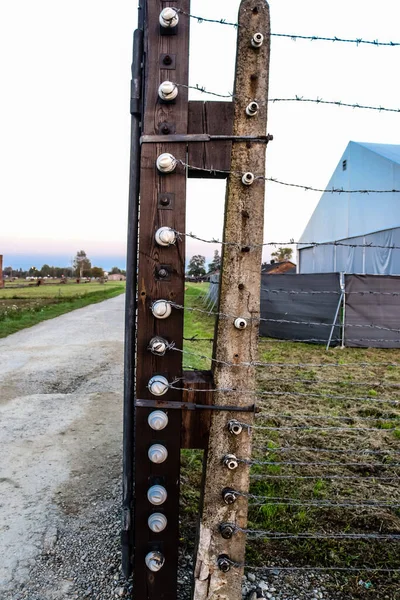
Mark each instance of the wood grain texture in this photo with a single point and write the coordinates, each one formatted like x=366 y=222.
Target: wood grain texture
x=196 y=423
x=214 y=118
x=244 y=218
x=160 y=585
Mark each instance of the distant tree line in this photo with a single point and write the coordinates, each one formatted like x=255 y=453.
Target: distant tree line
x=81 y=267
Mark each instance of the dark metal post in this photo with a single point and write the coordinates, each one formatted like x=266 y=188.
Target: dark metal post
x=131 y=303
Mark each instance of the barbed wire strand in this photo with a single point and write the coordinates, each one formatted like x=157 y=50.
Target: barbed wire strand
x=317 y=450
x=257 y=477
x=287 y=184
x=271 y=463
x=286 y=243
x=270 y=416
x=285 y=501
x=311 y=569
x=293 y=36
x=319 y=536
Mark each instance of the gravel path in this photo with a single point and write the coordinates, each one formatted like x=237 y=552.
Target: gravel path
x=60 y=434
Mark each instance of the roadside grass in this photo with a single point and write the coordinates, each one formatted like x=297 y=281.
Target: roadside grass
x=25 y=307
x=296 y=392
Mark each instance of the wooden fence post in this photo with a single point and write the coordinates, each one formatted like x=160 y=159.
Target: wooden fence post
x=240 y=296
x=161 y=276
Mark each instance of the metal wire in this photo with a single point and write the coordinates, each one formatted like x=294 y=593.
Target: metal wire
x=285 y=183
x=292 y=36
x=343 y=382
x=285 y=321
x=319 y=476
x=328 y=450
x=319 y=292
x=277 y=535
x=289 y=463
x=285 y=501
x=290 y=242
x=312 y=569
x=271 y=416
x=301 y=394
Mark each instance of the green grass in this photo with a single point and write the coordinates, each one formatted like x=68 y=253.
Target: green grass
x=25 y=307
x=354 y=381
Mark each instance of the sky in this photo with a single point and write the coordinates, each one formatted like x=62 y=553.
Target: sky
x=65 y=123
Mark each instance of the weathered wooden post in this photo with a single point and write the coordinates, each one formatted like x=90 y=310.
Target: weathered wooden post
x=216 y=576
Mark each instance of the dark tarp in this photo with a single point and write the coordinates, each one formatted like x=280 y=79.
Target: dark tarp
x=372 y=302
x=288 y=298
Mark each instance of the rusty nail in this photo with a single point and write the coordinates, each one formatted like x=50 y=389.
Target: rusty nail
x=164 y=200
x=167 y=60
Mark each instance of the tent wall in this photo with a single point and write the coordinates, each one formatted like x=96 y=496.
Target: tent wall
x=348 y=257
x=289 y=301
x=372 y=310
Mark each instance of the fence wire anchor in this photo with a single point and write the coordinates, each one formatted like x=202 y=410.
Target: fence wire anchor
x=227 y=530
x=229 y=496
x=230 y=461
x=224 y=563
x=235 y=427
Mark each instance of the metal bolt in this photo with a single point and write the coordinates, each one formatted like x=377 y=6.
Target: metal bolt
x=164 y=200
x=162 y=273
x=224 y=563
x=229 y=496
x=227 y=530
x=165 y=129
x=235 y=427
x=167 y=60
x=230 y=461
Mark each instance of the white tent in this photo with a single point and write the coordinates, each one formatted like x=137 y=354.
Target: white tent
x=356 y=220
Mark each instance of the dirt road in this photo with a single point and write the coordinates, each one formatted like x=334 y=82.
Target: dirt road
x=60 y=431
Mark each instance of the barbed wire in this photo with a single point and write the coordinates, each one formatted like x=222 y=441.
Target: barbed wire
x=277 y=535
x=329 y=450
x=270 y=416
x=287 y=184
x=312 y=569
x=342 y=382
x=202 y=89
x=337 y=243
x=287 y=321
x=274 y=463
x=257 y=477
x=285 y=501
x=292 y=36
x=335 y=292
x=262 y=393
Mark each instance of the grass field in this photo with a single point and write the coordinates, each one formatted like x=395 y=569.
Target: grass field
x=349 y=412
x=22 y=307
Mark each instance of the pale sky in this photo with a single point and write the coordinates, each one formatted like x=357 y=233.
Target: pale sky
x=65 y=123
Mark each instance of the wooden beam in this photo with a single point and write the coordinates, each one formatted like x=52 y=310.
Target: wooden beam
x=196 y=424
x=213 y=118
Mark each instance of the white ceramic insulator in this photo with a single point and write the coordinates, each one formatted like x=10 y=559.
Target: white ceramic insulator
x=161 y=309
x=257 y=40
x=158 y=385
x=248 y=178
x=157 y=522
x=251 y=109
x=157 y=453
x=169 y=17
x=157 y=495
x=240 y=323
x=157 y=420
x=165 y=236
x=166 y=163
x=158 y=346
x=168 y=91
x=154 y=560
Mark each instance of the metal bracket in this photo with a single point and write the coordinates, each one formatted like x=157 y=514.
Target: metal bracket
x=191 y=406
x=203 y=137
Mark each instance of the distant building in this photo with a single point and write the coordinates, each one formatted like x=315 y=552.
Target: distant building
x=355 y=220
x=116 y=277
x=276 y=267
